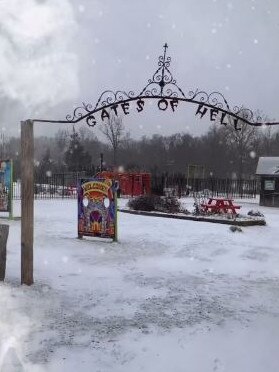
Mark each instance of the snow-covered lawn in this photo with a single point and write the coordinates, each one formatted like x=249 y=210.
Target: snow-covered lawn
x=171 y=296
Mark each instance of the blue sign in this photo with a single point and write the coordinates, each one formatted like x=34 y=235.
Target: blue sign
x=5 y=185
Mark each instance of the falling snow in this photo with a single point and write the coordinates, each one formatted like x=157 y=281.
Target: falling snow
x=252 y=154
x=81 y=8
x=125 y=306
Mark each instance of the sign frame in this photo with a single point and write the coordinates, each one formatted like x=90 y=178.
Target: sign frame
x=97 y=208
x=269 y=185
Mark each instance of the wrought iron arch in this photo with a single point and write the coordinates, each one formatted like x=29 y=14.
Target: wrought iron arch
x=163 y=87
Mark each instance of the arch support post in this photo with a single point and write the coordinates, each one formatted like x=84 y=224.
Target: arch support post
x=27 y=201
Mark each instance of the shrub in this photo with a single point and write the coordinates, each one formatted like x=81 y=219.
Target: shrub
x=255 y=213
x=199 y=199
x=166 y=204
x=144 y=203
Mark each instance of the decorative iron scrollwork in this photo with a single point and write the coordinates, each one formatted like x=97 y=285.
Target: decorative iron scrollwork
x=80 y=112
x=247 y=114
x=162 y=86
x=214 y=99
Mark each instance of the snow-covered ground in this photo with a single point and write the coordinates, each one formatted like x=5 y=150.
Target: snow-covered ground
x=170 y=296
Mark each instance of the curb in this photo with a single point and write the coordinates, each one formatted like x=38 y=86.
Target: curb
x=259 y=222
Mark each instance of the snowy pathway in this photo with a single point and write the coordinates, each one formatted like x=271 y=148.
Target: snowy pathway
x=172 y=295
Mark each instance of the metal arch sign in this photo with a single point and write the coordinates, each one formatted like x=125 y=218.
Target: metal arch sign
x=164 y=88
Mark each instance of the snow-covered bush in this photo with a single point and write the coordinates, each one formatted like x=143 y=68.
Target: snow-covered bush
x=199 y=199
x=144 y=203
x=255 y=213
x=166 y=204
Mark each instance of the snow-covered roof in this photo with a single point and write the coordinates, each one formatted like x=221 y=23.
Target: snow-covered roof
x=268 y=166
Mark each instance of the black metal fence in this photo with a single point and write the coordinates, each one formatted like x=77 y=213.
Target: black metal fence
x=63 y=185
x=59 y=185
x=181 y=186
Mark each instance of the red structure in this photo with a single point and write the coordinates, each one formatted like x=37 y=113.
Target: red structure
x=219 y=205
x=130 y=184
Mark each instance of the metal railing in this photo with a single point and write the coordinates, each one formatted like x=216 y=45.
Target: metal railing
x=182 y=186
x=63 y=185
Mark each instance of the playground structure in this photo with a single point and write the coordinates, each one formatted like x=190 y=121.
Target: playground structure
x=130 y=183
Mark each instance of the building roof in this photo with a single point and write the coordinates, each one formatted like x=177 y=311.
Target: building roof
x=268 y=166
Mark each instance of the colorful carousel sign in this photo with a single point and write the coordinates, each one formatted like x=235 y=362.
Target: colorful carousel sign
x=97 y=208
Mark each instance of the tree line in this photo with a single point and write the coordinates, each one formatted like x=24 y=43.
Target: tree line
x=222 y=152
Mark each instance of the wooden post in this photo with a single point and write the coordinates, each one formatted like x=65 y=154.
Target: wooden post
x=4 y=232
x=27 y=201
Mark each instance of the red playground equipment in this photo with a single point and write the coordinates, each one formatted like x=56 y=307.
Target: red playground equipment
x=130 y=184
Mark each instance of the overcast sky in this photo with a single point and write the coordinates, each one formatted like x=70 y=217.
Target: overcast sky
x=58 y=53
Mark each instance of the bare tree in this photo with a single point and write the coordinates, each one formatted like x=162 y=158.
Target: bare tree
x=241 y=140
x=266 y=134
x=113 y=130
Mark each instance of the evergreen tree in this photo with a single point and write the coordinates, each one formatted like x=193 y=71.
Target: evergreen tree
x=76 y=158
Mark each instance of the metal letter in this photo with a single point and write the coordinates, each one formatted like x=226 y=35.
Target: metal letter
x=125 y=107
x=174 y=103
x=165 y=102
x=91 y=121
x=200 y=111
x=223 y=118
x=140 y=104
x=213 y=114
x=104 y=114
x=114 y=108
x=235 y=121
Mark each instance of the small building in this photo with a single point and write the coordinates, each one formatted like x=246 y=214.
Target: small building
x=268 y=171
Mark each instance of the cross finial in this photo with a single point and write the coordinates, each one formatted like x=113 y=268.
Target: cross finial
x=165 y=51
